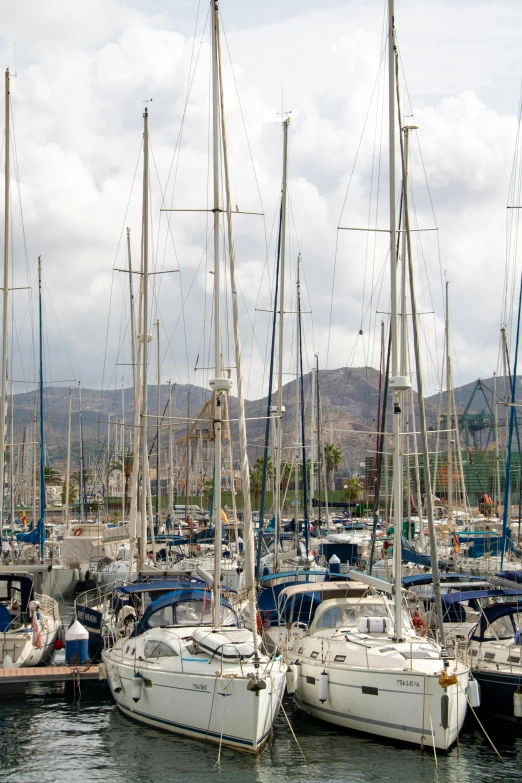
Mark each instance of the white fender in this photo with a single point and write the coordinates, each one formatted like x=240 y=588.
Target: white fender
x=517 y=703
x=292 y=674
x=137 y=685
x=474 y=694
x=323 y=686
x=115 y=680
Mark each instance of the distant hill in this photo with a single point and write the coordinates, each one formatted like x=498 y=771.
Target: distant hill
x=349 y=402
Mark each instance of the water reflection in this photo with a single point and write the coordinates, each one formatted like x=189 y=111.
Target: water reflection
x=45 y=738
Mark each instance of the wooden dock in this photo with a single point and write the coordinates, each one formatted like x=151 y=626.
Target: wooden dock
x=14 y=681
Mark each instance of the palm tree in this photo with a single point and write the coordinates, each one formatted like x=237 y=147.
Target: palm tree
x=208 y=486
x=52 y=476
x=87 y=476
x=256 y=483
x=258 y=465
x=125 y=466
x=333 y=457
x=352 y=489
x=73 y=495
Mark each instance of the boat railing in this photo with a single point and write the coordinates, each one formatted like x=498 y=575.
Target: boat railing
x=98 y=595
x=48 y=606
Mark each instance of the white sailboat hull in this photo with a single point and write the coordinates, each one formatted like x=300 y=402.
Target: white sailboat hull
x=201 y=704
x=399 y=705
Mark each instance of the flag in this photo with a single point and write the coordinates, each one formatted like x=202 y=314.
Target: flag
x=456 y=543
x=224 y=517
x=37 y=637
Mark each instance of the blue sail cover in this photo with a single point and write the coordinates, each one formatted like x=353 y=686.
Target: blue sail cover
x=410 y=555
x=35 y=536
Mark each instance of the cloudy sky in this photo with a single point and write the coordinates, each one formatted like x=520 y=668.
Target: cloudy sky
x=81 y=74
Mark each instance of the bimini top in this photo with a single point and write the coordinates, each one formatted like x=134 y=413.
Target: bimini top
x=187 y=606
x=328 y=589
x=294 y=575
x=427 y=578
x=454 y=612
x=452 y=598
x=158 y=584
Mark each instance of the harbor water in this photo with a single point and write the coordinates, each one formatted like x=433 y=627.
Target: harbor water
x=46 y=737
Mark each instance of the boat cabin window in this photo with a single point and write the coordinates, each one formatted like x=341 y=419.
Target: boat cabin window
x=11 y=590
x=501 y=628
x=155 y=649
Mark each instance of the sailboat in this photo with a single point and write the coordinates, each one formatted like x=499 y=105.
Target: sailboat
x=355 y=657
x=189 y=642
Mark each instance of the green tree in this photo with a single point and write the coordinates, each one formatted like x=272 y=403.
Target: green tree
x=208 y=485
x=256 y=483
x=332 y=457
x=352 y=489
x=125 y=466
x=52 y=476
x=73 y=495
x=87 y=476
x=258 y=465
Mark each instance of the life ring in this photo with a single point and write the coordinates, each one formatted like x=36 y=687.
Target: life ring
x=78 y=531
x=419 y=624
x=198 y=548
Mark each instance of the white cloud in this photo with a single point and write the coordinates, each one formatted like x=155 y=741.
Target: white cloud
x=83 y=74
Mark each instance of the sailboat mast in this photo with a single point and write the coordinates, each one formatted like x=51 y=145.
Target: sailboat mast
x=312 y=438
x=5 y=305
x=248 y=529
x=300 y=382
x=216 y=383
x=12 y=454
x=420 y=394
x=145 y=337
x=449 y=415
x=42 y=442
x=122 y=437
x=279 y=418
x=82 y=470
x=269 y=408
x=497 y=456
x=297 y=389
x=132 y=316
x=318 y=423
x=68 y=467
x=171 y=465
x=158 y=444
x=35 y=459
x=397 y=386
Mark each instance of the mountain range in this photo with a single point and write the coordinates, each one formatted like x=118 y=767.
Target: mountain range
x=350 y=400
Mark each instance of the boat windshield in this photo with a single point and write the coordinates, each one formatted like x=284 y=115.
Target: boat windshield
x=191 y=612
x=503 y=627
x=346 y=615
